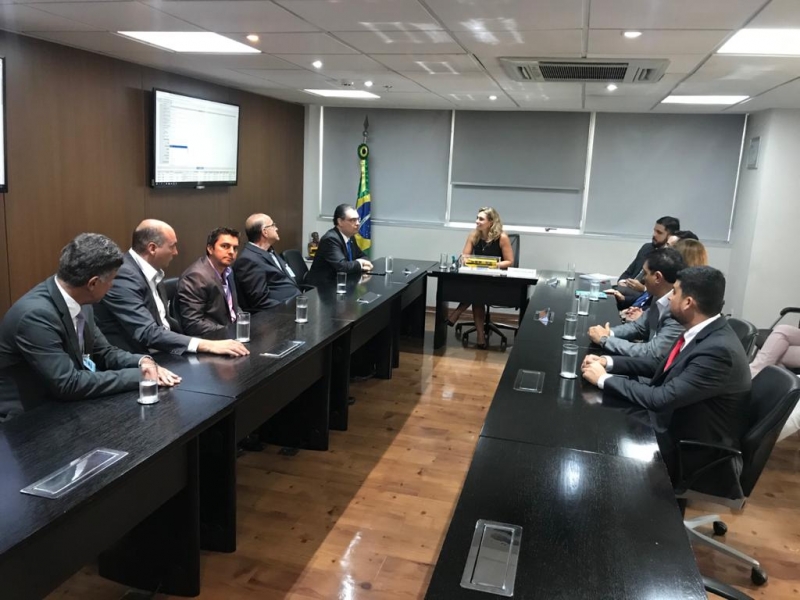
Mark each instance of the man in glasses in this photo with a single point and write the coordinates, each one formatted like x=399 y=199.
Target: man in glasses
x=263 y=279
x=337 y=251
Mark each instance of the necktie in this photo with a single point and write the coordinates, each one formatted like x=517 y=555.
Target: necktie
x=675 y=351
x=349 y=250
x=80 y=323
x=226 y=288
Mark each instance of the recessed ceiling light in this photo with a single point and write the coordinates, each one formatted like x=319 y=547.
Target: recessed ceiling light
x=632 y=35
x=725 y=100
x=776 y=42
x=368 y=83
x=492 y=97
x=317 y=64
x=355 y=94
x=200 y=42
x=252 y=37
x=611 y=87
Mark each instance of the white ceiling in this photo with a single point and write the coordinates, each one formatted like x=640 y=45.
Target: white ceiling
x=441 y=53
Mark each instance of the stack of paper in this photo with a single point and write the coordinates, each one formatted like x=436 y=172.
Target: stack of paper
x=598 y=277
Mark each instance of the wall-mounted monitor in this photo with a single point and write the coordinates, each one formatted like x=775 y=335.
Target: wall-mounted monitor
x=195 y=141
x=3 y=164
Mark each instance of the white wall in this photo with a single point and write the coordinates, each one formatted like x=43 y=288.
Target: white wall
x=537 y=250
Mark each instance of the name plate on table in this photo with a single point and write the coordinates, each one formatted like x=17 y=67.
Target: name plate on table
x=77 y=472
x=282 y=349
x=492 y=561
x=368 y=298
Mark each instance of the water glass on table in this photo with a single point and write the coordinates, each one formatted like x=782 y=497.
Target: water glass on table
x=148 y=382
x=569 y=361
x=341 y=282
x=583 y=304
x=301 y=310
x=389 y=264
x=243 y=326
x=570 y=271
x=444 y=261
x=594 y=291
x=570 y=326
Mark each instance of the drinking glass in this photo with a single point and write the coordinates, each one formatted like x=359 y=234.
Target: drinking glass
x=341 y=283
x=243 y=326
x=594 y=291
x=569 y=361
x=583 y=304
x=148 y=382
x=444 y=261
x=570 y=326
x=570 y=271
x=389 y=264
x=301 y=310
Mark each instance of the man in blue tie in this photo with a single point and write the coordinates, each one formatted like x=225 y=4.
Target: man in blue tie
x=337 y=251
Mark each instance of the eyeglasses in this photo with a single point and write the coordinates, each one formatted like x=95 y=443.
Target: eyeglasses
x=354 y=220
x=274 y=224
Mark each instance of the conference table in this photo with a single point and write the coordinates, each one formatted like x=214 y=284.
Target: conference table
x=567 y=495
x=147 y=516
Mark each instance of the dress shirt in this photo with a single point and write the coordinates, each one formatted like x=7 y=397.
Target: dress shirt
x=226 y=288
x=72 y=306
x=154 y=277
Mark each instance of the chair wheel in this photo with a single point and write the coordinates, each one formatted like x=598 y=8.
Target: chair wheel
x=503 y=345
x=465 y=340
x=720 y=528
x=758 y=576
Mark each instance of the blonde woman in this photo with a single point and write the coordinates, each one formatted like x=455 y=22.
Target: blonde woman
x=693 y=252
x=487 y=239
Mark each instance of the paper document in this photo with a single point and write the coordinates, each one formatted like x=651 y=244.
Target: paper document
x=521 y=273
x=598 y=277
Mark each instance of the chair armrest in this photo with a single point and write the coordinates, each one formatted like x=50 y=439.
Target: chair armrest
x=789 y=309
x=723 y=590
x=688 y=445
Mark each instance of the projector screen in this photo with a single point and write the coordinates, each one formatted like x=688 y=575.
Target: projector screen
x=195 y=141
x=3 y=167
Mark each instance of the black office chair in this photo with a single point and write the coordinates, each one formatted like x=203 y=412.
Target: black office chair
x=747 y=333
x=724 y=590
x=773 y=398
x=763 y=334
x=294 y=258
x=490 y=326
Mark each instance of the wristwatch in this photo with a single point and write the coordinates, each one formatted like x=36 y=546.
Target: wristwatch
x=603 y=340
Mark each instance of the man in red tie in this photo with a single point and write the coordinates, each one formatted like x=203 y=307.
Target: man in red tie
x=702 y=389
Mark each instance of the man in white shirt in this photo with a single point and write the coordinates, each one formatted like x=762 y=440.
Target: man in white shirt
x=134 y=314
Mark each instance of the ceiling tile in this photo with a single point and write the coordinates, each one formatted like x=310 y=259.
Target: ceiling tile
x=241 y=16
x=117 y=16
x=481 y=102
x=550 y=96
x=783 y=14
x=656 y=91
x=508 y=15
x=671 y=14
x=688 y=108
x=334 y=62
x=295 y=43
x=295 y=79
x=17 y=17
x=198 y=62
x=678 y=63
x=363 y=15
x=413 y=100
x=395 y=82
x=725 y=87
x=458 y=84
x=522 y=43
x=604 y=41
x=620 y=103
x=785 y=96
x=402 y=42
x=430 y=63
x=99 y=41
x=751 y=74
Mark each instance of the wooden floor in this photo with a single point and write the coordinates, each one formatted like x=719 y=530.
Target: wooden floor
x=366 y=519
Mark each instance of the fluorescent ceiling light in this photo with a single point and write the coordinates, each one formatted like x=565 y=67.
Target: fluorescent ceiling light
x=201 y=42
x=725 y=100
x=632 y=35
x=354 y=94
x=773 y=42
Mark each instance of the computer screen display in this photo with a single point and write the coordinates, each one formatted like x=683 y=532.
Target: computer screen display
x=3 y=175
x=195 y=141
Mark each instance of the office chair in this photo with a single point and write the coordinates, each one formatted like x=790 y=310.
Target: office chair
x=746 y=332
x=763 y=334
x=294 y=258
x=171 y=287
x=773 y=397
x=490 y=326
x=723 y=590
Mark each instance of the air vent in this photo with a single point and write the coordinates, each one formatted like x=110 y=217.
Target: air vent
x=585 y=70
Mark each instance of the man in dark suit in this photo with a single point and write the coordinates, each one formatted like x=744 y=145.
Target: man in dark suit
x=337 y=252
x=631 y=281
x=50 y=348
x=134 y=313
x=653 y=333
x=263 y=278
x=206 y=296
x=701 y=390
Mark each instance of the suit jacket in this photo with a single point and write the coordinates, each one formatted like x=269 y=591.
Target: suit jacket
x=40 y=357
x=129 y=318
x=703 y=396
x=331 y=258
x=200 y=301
x=638 y=263
x=261 y=284
x=657 y=331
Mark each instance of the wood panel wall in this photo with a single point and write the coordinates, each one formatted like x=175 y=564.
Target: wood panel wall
x=79 y=129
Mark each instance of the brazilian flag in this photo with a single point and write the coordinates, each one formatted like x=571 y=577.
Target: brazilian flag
x=364 y=203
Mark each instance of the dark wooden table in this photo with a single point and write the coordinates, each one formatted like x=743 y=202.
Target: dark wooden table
x=142 y=511
x=498 y=290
